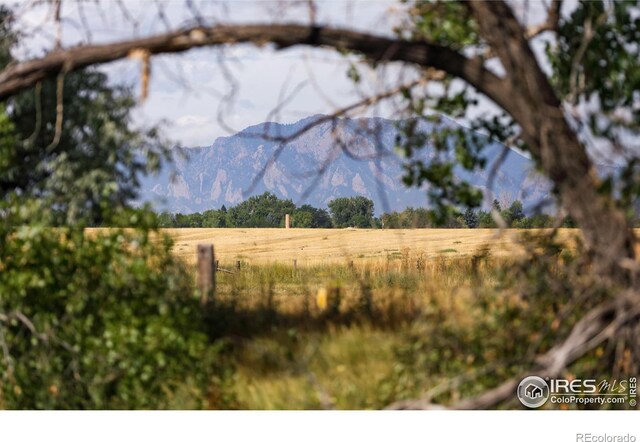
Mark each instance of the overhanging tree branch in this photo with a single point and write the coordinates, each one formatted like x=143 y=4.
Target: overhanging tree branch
x=597 y=326
x=26 y=74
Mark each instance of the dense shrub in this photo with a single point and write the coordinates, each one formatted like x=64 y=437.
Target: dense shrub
x=98 y=321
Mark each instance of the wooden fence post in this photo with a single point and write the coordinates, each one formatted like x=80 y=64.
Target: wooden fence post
x=287 y=221
x=295 y=265
x=206 y=279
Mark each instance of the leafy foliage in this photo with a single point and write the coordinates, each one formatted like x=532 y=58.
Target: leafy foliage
x=346 y=213
x=446 y=23
x=596 y=55
x=408 y=218
x=595 y=70
x=99 y=321
x=451 y=147
x=89 y=320
x=98 y=158
x=265 y=210
x=356 y=211
x=307 y=216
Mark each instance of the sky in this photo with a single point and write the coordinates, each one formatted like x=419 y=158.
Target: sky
x=195 y=97
x=203 y=100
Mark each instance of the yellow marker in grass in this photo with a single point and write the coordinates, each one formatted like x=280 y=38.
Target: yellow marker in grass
x=321 y=298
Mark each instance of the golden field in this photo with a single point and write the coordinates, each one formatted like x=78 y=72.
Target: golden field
x=339 y=246
x=415 y=311
x=419 y=308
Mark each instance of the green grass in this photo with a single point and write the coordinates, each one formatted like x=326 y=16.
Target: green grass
x=342 y=368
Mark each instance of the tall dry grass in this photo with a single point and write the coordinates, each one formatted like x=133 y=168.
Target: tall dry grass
x=290 y=353
x=403 y=325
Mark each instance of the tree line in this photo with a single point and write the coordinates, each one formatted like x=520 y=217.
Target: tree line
x=267 y=210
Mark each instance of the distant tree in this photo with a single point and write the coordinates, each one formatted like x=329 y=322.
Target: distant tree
x=181 y=220
x=568 y=222
x=356 y=211
x=308 y=216
x=362 y=221
x=194 y=220
x=409 y=218
x=188 y=220
x=166 y=219
x=513 y=214
x=341 y=212
x=302 y=219
x=455 y=222
x=214 y=218
x=485 y=220
x=540 y=220
x=471 y=218
x=391 y=220
x=265 y=210
x=421 y=219
x=517 y=212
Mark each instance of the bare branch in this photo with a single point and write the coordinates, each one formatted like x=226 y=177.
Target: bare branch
x=84 y=21
x=25 y=321
x=145 y=59
x=576 y=86
x=313 y=11
x=162 y=15
x=128 y=17
x=38 y=105
x=6 y=354
x=550 y=24
x=59 y=113
x=325 y=118
x=57 y=7
x=24 y=75
x=599 y=325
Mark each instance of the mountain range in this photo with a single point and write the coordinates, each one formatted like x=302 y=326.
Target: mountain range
x=317 y=159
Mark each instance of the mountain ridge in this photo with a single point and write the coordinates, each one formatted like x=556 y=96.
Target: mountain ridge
x=354 y=156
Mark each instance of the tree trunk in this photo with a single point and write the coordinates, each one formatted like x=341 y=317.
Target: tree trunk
x=607 y=233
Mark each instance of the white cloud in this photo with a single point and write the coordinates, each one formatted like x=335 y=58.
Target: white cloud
x=190 y=120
